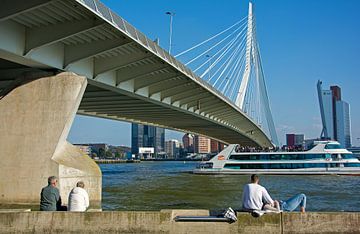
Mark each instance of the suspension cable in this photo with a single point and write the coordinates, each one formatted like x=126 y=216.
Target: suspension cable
x=220 y=57
x=231 y=58
x=226 y=47
x=206 y=51
x=211 y=38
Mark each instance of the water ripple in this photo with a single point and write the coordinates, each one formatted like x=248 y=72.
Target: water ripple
x=164 y=185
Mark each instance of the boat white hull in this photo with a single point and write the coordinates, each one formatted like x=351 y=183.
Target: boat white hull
x=326 y=158
x=307 y=171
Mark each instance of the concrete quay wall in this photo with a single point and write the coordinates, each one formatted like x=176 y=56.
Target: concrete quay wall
x=163 y=222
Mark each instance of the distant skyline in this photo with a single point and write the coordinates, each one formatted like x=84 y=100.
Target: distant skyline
x=300 y=41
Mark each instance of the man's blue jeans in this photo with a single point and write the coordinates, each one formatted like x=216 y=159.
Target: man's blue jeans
x=292 y=203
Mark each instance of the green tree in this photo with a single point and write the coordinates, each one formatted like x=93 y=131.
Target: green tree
x=101 y=153
x=109 y=154
x=117 y=154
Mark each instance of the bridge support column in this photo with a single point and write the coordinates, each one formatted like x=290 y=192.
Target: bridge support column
x=35 y=119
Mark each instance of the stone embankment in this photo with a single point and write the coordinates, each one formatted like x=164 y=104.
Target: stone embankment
x=114 y=161
x=163 y=222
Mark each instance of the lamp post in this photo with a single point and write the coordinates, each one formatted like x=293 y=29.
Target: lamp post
x=171 y=14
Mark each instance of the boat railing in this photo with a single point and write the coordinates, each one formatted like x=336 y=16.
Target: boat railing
x=246 y=149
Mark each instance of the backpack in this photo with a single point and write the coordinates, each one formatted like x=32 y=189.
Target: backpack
x=230 y=214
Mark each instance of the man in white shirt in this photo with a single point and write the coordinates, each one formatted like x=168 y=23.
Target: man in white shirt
x=255 y=196
x=78 y=198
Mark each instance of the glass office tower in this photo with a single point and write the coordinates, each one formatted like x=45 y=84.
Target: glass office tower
x=147 y=136
x=335 y=115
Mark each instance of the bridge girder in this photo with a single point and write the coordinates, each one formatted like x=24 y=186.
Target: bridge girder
x=123 y=67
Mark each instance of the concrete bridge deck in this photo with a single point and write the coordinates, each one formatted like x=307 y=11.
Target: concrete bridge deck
x=62 y=57
x=163 y=222
x=130 y=77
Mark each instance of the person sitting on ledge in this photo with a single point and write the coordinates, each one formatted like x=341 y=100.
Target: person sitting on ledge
x=78 y=198
x=256 y=197
x=292 y=203
x=50 y=199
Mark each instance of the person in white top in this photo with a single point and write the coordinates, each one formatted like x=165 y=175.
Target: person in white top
x=78 y=198
x=255 y=196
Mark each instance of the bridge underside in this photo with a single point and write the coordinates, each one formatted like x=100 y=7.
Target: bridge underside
x=112 y=103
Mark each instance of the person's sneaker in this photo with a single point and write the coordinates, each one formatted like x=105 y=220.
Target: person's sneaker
x=257 y=213
x=232 y=211
x=230 y=214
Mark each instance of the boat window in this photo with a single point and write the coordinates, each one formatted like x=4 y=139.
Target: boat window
x=285 y=157
x=249 y=157
x=333 y=146
x=276 y=165
x=300 y=156
x=314 y=165
x=298 y=165
x=351 y=164
x=314 y=156
x=347 y=156
x=254 y=157
x=278 y=157
x=205 y=165
x=275 y=157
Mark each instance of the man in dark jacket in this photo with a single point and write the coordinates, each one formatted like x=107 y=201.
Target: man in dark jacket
x=50 y=197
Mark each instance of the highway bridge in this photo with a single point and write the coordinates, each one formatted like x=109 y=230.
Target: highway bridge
x=129 y=76
x=62 y=57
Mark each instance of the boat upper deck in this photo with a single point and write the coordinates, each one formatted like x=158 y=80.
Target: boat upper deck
x=320 y=147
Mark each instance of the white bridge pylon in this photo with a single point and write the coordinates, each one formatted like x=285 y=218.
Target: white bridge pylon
x=249 y=59
x=232 y=64
x=253 y=64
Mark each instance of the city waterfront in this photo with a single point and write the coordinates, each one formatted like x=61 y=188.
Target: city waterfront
x=170 y=185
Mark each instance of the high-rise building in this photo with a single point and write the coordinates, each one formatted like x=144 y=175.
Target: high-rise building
x=343 y=134
x=299 y=139
x=335 y=115
x=221 y=146
x=326 y=111
x=137 y=135
x=172 y=148
x=336 y=96
x=290 y=139
x=147 y=136
x=215 y=146
x=295 y=139
x=188 y=141
x=201 y=145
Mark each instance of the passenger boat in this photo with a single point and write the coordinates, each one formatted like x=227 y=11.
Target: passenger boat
x=326 y=157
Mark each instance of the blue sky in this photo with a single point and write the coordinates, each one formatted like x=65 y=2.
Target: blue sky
x=301 y=41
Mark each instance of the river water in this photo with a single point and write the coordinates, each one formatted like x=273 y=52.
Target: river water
x=169 y=185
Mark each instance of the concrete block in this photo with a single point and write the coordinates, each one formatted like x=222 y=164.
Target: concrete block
x=325 y=222
x=162 y=222
x=35 y=119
